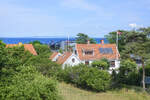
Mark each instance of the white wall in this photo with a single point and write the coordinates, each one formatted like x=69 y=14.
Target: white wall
x=117 y=65
x=69 y=61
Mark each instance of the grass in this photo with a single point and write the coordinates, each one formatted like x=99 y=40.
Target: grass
x=69 y=92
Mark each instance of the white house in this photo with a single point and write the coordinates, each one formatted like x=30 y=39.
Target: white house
x=87 y=53
x=67 y=58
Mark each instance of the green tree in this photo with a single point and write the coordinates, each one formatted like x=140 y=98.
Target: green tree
x=138 y=45
x=42 y=49
x=127 y=66
x=111 y=37
x=87 y=77
x=25 y=83
x=101 y=64
x=35 y=42
x=3 y=57
x=45 y=66
x=83 y=39
x=128 y=73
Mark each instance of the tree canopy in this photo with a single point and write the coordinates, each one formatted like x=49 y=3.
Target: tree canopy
x=83 y=39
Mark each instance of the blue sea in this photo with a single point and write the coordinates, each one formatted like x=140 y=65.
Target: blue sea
x=42 y=40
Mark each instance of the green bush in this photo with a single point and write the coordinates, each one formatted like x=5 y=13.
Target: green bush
x=87 y=77
x=128 y=73
x=45 y=66
x=25 y=83
x=14 y=56
x=42 y=49
x=127 y=66
x=101 y=64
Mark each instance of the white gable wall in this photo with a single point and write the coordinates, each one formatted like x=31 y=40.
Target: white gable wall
x=69 y=61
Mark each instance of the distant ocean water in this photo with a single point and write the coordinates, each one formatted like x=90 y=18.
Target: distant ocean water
x=42 y=40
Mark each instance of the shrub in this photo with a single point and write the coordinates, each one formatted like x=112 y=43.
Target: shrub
x=128 y=73
x=101 y=64
x=42 y=49
x=127 y=66
x=45 y=66
x=87 y=77
x=26 y=84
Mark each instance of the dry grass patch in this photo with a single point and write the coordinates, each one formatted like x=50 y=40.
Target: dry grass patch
x=69 y=92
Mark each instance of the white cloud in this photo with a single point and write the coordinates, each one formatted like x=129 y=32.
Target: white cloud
x=133 y=25
x=81 y=4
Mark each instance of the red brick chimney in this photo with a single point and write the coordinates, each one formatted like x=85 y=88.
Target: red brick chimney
x=88 y=42
x=102 y=42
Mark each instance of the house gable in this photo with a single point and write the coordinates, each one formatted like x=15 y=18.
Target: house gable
x=27 y=47
x=72 y=61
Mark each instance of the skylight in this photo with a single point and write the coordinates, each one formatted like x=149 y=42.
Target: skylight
x=106 y=50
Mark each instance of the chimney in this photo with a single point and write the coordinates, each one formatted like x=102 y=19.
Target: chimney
x=88 y=42
x=102 y=42
x=20 y=44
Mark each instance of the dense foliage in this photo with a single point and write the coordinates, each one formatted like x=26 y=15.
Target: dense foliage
x=134 y=44
x=25 y=83
x=45 y=66
x=101 y=64
x=128 y=73
x=87 y=77
x=41 y=49
x=83 y=39
x=21 y=75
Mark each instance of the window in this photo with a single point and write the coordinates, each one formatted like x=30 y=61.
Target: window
x=88 y=52
x=87 y=62
x=75 y=52
x=73 y=60
x=112 y=63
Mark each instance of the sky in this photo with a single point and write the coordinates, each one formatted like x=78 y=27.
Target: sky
x=60 y=18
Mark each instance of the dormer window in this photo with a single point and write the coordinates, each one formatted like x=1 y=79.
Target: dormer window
x=87 y=52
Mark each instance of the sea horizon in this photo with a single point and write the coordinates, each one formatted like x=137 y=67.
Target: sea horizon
x=44 y=40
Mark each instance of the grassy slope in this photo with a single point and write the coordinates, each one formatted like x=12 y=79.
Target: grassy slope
x=72 y=93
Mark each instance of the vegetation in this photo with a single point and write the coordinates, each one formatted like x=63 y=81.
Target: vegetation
x=134 y=45
x=41 y=49
x=83 y=39
x=25 y=83
x=21 y=75
x=87 y=77
x=24 y=76
x=128 y=73
x=69 y=92
x=101 y=64
x=111 y=37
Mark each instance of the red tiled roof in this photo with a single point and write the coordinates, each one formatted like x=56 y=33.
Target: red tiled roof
x=64 y=57
x=53 y=55
x=97 y=55
x=28 y=47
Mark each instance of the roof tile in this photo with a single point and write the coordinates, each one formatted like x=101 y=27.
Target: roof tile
x=97 y=55
x=28 y=47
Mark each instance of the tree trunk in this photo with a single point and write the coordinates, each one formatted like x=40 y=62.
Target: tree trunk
x=143 y=80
